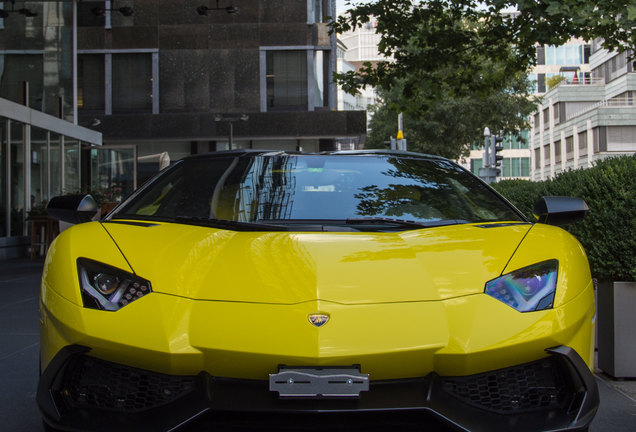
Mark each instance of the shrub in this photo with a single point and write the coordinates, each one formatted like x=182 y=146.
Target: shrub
x=555 y=80
x=523 y=194
x=607 y=233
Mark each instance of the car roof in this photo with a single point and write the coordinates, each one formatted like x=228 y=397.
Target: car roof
x=370 y=152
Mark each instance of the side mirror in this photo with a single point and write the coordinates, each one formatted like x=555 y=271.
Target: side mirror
x=557 y=210
x=72 y=208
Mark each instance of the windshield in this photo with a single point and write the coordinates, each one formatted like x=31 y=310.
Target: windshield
x=286 y=188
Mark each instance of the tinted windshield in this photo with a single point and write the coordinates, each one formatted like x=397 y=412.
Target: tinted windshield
x=283 y=188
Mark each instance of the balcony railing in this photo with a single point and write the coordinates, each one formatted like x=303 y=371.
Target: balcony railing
x=583 y=81
x=615 y=102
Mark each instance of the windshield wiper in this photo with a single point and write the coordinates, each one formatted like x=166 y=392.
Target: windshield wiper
x=373 y=220
x=228 y=224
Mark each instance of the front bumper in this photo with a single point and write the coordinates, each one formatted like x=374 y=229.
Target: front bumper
x=81 y=393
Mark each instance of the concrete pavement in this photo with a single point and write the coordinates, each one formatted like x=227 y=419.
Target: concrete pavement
x=19 y=345
x=19 y=348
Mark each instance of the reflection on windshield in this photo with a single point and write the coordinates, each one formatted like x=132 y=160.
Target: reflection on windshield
x=318 y=187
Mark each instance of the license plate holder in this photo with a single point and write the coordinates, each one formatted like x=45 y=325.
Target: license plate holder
x=318 y=383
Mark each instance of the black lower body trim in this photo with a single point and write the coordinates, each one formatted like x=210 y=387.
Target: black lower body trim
x=78 y=392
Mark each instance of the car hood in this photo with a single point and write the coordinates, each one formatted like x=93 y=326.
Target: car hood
x=293 y=267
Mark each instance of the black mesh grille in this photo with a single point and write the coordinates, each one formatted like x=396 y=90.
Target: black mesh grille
x=532 y=386
x=91 y=382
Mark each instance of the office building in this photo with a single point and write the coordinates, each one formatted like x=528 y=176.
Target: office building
x=570 y=62
x=587 y=119
x=177 y=78
x=42 y=149
x=361 y=47
x=156 y=80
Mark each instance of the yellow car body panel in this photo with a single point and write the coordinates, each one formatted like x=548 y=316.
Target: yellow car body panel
x=83 y=240
x=236 y=304
x=545 y=242
x=342 y=267
x=389 y=341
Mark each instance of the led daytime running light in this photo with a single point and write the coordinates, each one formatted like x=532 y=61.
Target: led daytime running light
x=528 y=289
x=108 y=288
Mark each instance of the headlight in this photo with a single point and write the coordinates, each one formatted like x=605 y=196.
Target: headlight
x=109 y=288
x=528 y=289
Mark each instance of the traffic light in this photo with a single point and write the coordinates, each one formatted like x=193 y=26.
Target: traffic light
x=495 y=148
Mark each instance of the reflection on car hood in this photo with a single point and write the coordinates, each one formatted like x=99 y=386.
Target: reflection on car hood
x=292 y=267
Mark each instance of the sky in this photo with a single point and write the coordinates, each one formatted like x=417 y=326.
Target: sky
x=341 y=6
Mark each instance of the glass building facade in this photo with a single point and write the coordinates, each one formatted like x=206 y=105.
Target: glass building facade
x=41 y=149
x=40 y=157
x=38 y=50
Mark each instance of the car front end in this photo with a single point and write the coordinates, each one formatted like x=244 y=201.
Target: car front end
x=480 y=319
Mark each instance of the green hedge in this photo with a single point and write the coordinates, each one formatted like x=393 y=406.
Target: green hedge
x=608 y=231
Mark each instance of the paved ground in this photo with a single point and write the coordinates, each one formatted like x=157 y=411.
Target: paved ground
x=19 y=347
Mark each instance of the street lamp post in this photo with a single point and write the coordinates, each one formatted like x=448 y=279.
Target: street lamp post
x=231 y=120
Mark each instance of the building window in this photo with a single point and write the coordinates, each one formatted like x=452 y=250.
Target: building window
x=505 y=167
x=286 y=80
x=112 y=170
x=600 y=139
x=16 y=179
x=516 y=142
x=569 y=148
x=598 y=74
x=564 y=54
x=39 y=167
x=540 y=55
x=525 y=167
x=516 y=167
x=557 y=151
x=55 y=141
x=18 y=68
x=537 y=158
x=475 y=165
x=90 y=82
x=317 y=10
x=583 y=143
x=541 y=83
x=118 y=82
x=532 y=78
x=321 y=79
x=132 y=83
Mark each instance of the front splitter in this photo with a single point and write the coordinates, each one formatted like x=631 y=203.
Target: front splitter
x=77 y=401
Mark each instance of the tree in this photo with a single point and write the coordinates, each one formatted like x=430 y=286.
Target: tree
x=446 y=41
x=444 y=116
x=453 y=123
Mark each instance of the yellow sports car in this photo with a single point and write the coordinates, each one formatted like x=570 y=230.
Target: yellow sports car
x=334 y=282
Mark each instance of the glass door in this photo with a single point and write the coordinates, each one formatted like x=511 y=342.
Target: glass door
x=113 y=172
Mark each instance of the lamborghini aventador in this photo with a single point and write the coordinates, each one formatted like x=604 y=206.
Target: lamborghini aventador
x=334 y=282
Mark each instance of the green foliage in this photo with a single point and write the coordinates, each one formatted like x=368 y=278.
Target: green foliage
x=448 y=47
x=607 y=233
x=555 y=80
x=447 y=128
x=523 y=194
